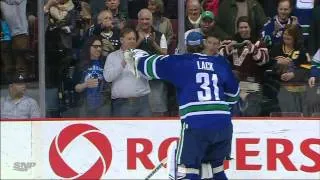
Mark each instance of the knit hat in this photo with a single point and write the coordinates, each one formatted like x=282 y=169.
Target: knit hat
x=17 y=78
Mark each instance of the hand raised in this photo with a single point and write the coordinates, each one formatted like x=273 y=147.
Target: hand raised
x=92 y=83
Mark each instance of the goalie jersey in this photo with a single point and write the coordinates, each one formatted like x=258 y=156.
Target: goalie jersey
x=206 y=86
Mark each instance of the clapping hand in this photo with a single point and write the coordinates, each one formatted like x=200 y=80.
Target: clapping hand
x=283 y=60
x=92 y=82
x=287 y=76
x=312 y=81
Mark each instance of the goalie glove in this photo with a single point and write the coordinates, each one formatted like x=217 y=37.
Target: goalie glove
x=131 y=57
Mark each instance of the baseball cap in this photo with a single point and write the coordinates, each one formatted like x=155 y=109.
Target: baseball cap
x=194 y=39
x=17 y=78
x=207 y=15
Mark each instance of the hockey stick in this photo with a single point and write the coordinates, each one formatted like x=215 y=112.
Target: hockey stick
x=157 y=168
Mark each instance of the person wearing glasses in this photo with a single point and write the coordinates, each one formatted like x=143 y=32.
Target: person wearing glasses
x=91 y=82
x=110 y=35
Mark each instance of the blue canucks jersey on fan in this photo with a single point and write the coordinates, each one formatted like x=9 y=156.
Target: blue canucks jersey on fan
x=210 y=80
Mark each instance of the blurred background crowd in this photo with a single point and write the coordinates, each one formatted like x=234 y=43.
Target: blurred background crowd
x=270 y=45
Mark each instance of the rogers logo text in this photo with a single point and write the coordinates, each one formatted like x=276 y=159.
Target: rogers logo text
x=274 y=159
x=99 y=140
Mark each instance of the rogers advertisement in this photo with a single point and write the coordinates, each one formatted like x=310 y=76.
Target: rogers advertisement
x=131 y=149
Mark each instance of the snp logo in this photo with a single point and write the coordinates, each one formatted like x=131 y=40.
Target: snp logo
x=23 y=166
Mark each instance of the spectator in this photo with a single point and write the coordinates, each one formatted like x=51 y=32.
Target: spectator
x=193 y=17
x=160 y=23
x=211 y=5
x=5 y=38
x=14 y=13
x=211 y=45
x=83 y=20
x=62 y=23
x=314 y=40
x=85 y=15
x=248 y=56
x=153 y=42
x=91 y=83
x=275 y=27
x=129 y=94
x=119 y=17
x=17 y=105
x=110 y=35
x=207 y=24
x=149 y=39
x=288 y=58
x=231 y=10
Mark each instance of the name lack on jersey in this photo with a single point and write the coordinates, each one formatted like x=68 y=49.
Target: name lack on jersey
x=205 y=65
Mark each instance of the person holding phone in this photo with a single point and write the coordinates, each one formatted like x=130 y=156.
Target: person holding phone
x=248 y=57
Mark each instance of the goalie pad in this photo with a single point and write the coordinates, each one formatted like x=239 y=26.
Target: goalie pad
x=171 y=164
x=206 y=171
x=172 y=170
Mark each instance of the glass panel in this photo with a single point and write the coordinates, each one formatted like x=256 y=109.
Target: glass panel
x=19 y=60
x=268 y=86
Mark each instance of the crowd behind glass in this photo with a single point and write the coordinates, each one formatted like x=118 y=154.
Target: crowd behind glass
x=269 y=44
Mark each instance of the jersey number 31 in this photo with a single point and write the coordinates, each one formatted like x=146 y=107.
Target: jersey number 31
x=207 y=85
